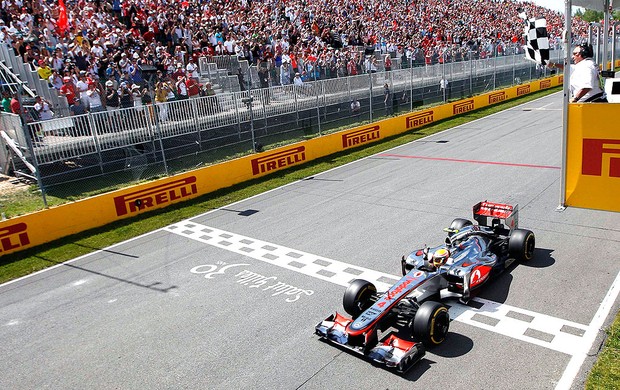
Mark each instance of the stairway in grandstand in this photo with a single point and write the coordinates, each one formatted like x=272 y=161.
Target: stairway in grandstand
x=16 y=76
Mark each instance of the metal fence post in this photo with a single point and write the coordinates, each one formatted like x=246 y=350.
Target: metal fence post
x=495 y=67
x=93 y=132
x=318 y=108
x=296 y=107
x=349 y=89
x=443 y=83
x=514 y=70
x=161 y=143
x=411 y=82
x=237 y=114
x=471 y=74
x=370 y=99
x=192 y=102
x=250 y=104
x=29 y=141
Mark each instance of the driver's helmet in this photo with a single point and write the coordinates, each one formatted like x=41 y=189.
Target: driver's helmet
x=440 y=257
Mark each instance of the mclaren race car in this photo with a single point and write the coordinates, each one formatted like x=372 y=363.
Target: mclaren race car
x=394 y=328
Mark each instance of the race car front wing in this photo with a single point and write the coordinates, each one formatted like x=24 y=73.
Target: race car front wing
x=392 y=351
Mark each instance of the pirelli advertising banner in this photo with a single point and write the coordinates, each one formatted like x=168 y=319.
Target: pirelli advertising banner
x=593 y=156
x=61 y=221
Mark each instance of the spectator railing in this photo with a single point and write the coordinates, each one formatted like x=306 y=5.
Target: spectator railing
x=128 y=144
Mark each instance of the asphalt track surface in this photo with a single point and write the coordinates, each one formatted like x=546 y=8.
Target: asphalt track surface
x=230 y=298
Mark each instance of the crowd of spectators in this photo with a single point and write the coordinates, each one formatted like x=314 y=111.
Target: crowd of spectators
x=101 y=57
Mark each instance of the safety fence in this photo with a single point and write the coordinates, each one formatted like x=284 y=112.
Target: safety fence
x=100 y=151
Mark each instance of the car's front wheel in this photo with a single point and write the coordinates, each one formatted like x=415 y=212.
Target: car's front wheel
x=431 y=323
x=356 y=298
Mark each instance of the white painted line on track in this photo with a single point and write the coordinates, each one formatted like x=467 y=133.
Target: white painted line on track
x=535 y=328
x=576 y=361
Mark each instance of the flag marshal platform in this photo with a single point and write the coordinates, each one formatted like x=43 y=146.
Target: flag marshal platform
x=593 y=156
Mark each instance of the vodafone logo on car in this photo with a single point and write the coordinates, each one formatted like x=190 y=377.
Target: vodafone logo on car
x=479 y=275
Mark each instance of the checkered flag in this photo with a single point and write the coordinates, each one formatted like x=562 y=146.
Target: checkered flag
x=537 y=41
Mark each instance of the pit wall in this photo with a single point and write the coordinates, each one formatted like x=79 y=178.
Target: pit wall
x=34 y=229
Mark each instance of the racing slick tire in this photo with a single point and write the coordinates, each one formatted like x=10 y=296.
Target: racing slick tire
x=356 y=298
x=460 y=223
x=431 y=323
x=521 y=244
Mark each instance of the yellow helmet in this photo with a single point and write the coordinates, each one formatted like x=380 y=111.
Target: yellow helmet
x=440 y=257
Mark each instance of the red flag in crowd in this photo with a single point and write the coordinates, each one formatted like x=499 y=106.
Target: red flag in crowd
x=62 y=16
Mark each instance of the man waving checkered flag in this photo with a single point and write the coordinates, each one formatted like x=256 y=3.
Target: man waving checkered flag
x=537 y=41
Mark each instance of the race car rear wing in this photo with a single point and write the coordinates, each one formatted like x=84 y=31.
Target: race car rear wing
x=493 y=214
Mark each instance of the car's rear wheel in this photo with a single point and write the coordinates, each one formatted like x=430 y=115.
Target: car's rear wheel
x=521 y=244
x=356 y=298
x=431 y=323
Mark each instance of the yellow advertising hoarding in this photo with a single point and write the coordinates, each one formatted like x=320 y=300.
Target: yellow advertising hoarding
x=593 y=156
x=47 y=225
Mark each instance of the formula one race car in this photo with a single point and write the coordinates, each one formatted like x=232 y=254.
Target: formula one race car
x=471 y=256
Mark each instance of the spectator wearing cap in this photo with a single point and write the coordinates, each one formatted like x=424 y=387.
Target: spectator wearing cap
x=68 y=90
x=44 y=70
x=94 y=98
x=178 y=71
x=112 y=73
x=136 y=95
x=81 y=125
x=82 y=87
x=125 y=78
x=285 y=72
x=123 y=64
x=135 y=74
x=77 y=108
x=193 y=88
x=112 y=99
x=124 y=93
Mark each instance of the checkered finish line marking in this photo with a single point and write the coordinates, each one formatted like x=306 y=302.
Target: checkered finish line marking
x=536 y=328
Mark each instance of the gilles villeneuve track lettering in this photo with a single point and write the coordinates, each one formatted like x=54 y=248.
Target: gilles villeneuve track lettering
x=254 y=280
